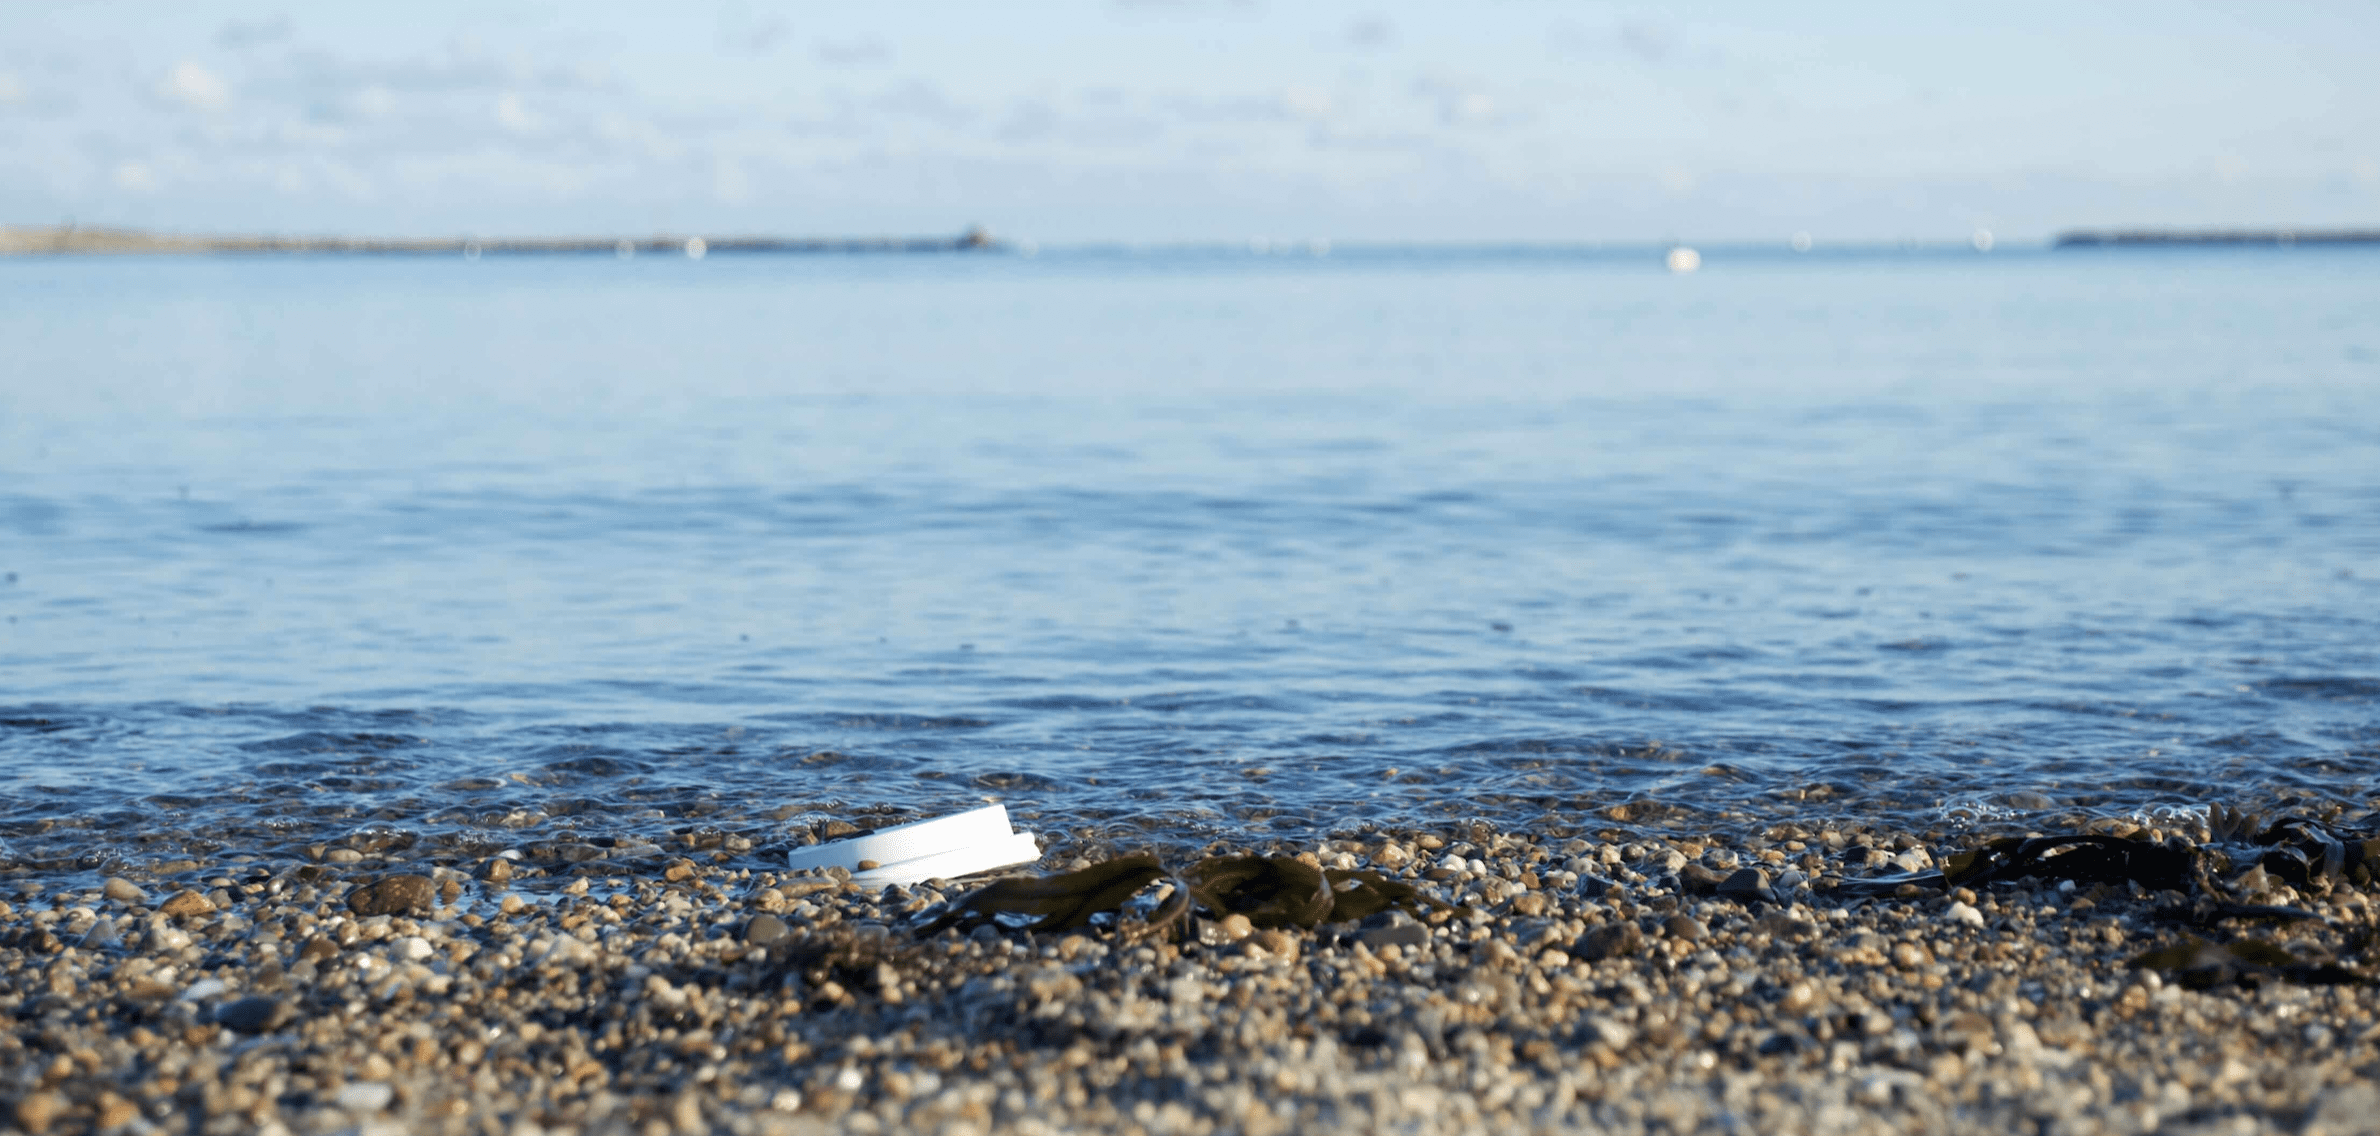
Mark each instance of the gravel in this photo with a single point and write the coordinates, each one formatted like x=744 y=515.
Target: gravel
x=714 y=996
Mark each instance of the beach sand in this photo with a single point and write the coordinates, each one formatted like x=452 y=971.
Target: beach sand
x=708 y=993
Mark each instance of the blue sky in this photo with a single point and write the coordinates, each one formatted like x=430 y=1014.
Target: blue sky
x=1159 y=120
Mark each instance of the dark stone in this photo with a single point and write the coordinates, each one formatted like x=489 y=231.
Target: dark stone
x=1684 y=927
x=1747 y=885
x=392 y=895
x=1609 y=940
x=317 y=949
x=1594 y=887
x=765 y=930
x=1694 y=879
x=253 y=1014
x=1392 y=928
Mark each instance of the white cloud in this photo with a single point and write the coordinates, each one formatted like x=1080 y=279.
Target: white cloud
x=515 y=115
x=1306 y=102
x=729 y=183
x=194 y=86
x=375 y=101
x=136 y=176
x=11 y=89
x=238 y=35
x=853 y=53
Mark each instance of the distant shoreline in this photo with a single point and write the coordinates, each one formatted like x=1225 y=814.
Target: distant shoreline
x=2090 y=238
x=71 y=240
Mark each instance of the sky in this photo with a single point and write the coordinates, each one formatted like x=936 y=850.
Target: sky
x=1192 y=120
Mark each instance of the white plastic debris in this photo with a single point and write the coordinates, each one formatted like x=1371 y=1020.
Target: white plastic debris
x=977 y=840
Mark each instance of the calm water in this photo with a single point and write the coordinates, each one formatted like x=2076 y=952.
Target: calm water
x=1169 y=546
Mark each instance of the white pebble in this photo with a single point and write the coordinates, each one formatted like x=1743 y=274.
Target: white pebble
x=364 y=1096
x=414 y=948
x=1963 y=913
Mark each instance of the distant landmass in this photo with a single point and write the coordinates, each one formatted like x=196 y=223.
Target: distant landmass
x=2090 y=238
x=52 y=240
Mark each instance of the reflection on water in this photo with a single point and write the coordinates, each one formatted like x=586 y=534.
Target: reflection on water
x=1158 y=550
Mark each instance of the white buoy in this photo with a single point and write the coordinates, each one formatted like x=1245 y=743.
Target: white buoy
x=1801 y=242
x=1982 y=240
x=1683 y=259
x=696 y=247
x=946 y=848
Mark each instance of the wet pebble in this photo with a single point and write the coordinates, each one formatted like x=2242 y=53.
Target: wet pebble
x=253 y=1014
x=1746 y=885
x=1609 y=941
x=187 y=903
x=392 y=895
x=765 y=930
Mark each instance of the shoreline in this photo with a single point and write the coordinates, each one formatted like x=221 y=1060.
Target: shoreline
x=1588 y=983
x=68 y=240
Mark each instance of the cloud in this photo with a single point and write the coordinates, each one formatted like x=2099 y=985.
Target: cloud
x=919 y=99
x=1371 y=31
x=238 y=35
x=375 y=101
x=729 y=183
x=12 y=89
x=514 y=115
x=195 y=87
x=1306 y=102
x=1649 y=42
x=852 y=53
x=1459 y=103
x=136 y=176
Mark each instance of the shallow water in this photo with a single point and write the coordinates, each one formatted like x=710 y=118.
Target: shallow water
x=1160 y=547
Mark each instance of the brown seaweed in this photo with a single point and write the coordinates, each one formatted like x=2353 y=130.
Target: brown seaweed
x=2082 y=857
x=1062 y=902
x=1269 y=891
x=2200 y=965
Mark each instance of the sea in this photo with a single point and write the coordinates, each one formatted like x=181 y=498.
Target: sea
x=1166 y=547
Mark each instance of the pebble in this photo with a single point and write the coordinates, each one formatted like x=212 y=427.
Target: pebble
x=1392 y=929
x=637 y=1005
x=187 y=903
x=37 y=1111
x=253 y=1014
x=364 y=1096
x=392 y=895
x=1746 y=885
x=123 y=890
x=764 y=930
x=1609 y=941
